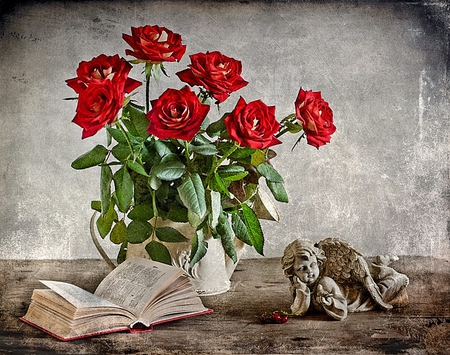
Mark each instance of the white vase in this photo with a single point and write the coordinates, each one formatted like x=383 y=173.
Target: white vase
x=211 y=275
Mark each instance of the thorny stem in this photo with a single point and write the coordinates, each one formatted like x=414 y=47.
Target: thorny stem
x=155 y=209
x=148 y=75
x=186 y=151
x=119 y=125
x=155 y=223
x=298 y=141
x=225 y=156
x=283 y=129
x=281 y=132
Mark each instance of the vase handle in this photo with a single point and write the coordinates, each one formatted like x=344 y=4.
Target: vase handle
x=97 y=244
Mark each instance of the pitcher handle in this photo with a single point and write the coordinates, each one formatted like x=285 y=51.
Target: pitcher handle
x=97 y=244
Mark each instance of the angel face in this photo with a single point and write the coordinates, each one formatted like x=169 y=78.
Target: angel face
x=306 y=268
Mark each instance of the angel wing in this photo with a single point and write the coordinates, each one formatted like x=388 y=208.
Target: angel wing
x=345 y=265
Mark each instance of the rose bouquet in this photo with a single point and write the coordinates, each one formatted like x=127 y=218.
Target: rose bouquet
x=165 y=160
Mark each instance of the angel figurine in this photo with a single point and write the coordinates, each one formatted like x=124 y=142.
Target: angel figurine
x=333 y=277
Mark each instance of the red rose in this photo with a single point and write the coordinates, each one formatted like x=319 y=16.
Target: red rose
x=253 y=125
x=316 y=117
x=102 y=68
x=217 y=73
x=176 y=114
x=98 y=105
x=154 y=44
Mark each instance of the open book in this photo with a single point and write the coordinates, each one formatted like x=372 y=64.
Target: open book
x=135 y=296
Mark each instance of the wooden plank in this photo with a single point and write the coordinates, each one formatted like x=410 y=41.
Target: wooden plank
x=258 y=286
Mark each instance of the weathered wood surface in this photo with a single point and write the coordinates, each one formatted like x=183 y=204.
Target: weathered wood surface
x=257 y=286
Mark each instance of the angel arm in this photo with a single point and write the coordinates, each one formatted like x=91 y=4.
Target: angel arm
x=302 y=298
x=328 y=295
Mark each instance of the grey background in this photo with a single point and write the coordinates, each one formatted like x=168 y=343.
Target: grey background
x=382 y=183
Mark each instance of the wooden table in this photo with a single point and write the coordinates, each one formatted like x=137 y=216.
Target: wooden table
x=258 y=286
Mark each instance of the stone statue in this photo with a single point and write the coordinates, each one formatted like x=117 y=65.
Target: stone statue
x=332 y=277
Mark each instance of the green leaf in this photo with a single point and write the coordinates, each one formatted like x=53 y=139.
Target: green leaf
x=170 y=235
x=177 y=213
x=199 y=140
x=121 y=151
x=194 y=219
x=229 y=170
x=216 y=208
x=94 y=157
x=269 y=172
x=258 y=157
x=254 y=229
x=124 y=188
x=199 y=247
x=234 y=176
x=136 y=122
x=243 y=153
x=137 y=167
x=219 y=184
x=105 y=187
x=117 y=134
x=162 y=193
x=119 y=232
x=293 y=127
x=105 y=221
x=217 y=127
x=204 y=149
x=162 y=148
x=158 y=69
x=192 y=194
x=158 y=252
x=170 y=157
x=142 y=212
x=240 y=229
x=139 y=231
x=278 y=191
x=226 y=236
x=122 y=255
x=154 y=182
x=96 y=206
x=142 y=193
x=169 y=171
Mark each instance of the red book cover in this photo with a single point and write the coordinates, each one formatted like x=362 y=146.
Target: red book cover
x=116 y=330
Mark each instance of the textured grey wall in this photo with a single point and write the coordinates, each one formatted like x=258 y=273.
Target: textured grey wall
x=382 y=184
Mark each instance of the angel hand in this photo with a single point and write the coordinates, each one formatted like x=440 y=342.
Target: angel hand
x=323 y=297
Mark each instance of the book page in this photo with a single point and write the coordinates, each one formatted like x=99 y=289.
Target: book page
x=136 y=282
x=77 y=296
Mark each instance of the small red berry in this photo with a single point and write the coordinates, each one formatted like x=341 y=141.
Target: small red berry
x=276 y=317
